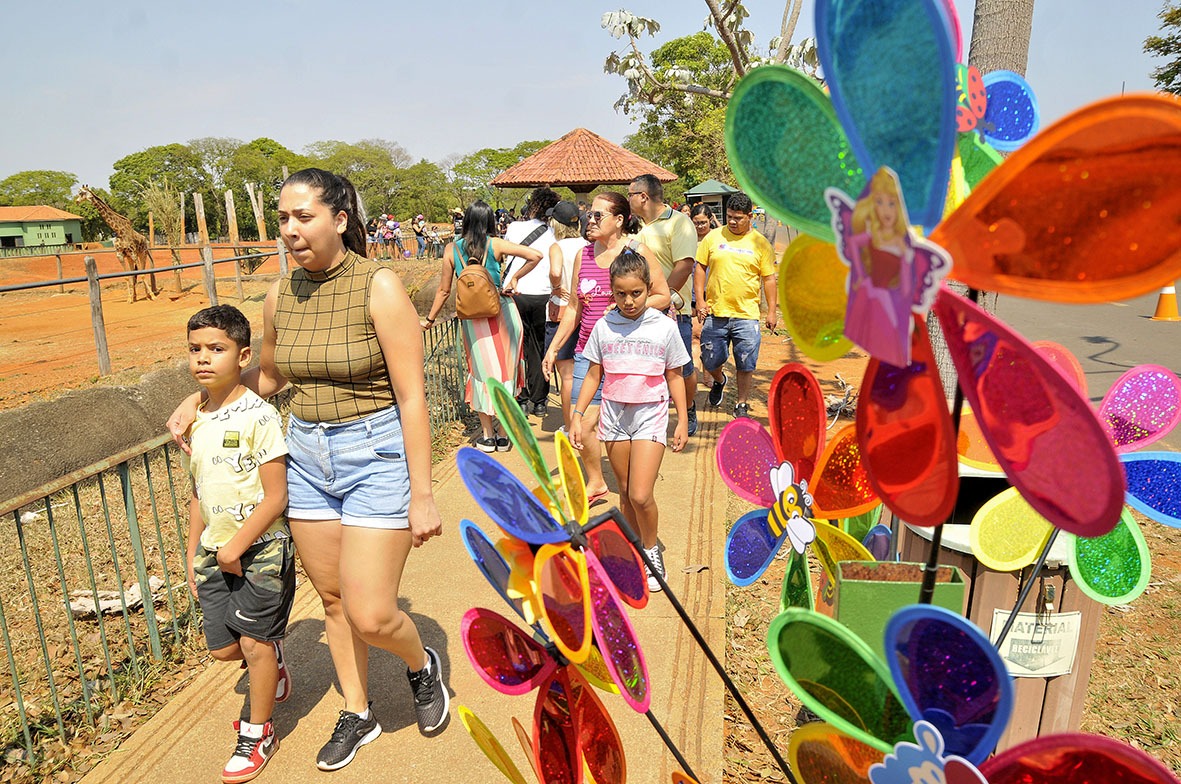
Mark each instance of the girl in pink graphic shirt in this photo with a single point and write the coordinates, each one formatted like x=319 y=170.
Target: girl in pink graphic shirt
x=638 y=353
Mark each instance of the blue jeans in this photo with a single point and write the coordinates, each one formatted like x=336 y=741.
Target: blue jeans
x=719 y=333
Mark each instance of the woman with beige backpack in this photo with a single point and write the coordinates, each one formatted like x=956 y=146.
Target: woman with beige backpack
x=489 y=324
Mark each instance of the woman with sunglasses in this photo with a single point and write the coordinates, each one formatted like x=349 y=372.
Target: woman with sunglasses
x=609 y=224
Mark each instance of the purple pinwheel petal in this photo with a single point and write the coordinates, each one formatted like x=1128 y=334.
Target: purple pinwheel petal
x=1141 y=407
x=745 y=456
x=508 y=502
x=617 y=639
x=950 y=675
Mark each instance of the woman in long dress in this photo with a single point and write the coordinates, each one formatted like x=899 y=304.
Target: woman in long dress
x=492 y=345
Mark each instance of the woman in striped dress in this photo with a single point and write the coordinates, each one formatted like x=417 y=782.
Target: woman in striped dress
x=492 y=345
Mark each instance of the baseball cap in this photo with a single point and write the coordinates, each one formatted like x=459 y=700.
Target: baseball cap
x=564 y=212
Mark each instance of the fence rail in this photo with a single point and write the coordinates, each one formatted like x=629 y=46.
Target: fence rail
x=112 y=537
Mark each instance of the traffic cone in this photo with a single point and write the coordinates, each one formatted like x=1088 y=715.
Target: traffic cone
x=1166 y=305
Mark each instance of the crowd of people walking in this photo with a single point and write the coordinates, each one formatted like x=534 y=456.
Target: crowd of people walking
x=605 y=300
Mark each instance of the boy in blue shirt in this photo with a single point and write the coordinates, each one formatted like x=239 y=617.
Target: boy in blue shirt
x=240 y=554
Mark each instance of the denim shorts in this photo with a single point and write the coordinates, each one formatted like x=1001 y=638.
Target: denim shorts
x=581 y=365
x=354 y=471
x=566 y=350
x=718 y=333
x=685 y=327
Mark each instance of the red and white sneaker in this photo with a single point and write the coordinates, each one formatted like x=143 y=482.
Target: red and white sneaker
x=283 y=690
x=251 y=754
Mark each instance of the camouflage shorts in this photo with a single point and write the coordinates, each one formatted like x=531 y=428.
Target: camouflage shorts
x=255 y=605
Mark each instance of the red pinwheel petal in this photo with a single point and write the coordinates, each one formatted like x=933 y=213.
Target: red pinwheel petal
x=560 y=573
x=598 y=738
x=1066 y=362
x=795 y=407
x=906 y=436
x=1043 y=433
x=506 y=658
x=555 y=740
x=621 y=563
x=842 y=487
x=1075 y=758
x=1087 y=211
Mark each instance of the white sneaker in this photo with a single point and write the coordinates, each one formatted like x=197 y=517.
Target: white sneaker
x=657 y=560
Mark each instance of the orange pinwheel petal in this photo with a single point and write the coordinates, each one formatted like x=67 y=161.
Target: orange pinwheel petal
x=1088 y=211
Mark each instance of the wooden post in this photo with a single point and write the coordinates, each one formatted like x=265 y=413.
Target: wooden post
x=285 y=174
x=232 y=220
x=256 y=206
x=96 y=317
x=151 y=229
x=210 y=279
x=238 y=279
x=61 y=287
x=282 y=257
x=182 y=219
x=202 y=227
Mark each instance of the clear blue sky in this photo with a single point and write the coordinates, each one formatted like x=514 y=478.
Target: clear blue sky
x=87 y=82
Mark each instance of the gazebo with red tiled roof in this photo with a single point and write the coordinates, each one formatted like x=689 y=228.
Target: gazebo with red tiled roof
x=581 y=161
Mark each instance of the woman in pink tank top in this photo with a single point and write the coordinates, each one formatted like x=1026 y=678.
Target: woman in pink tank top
x=610 y=222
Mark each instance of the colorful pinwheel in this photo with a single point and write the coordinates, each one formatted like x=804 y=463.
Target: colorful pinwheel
x=1142 y=406
x=794 y=477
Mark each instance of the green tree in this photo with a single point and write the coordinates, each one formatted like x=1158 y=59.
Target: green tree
x=372 y=165
x=1168 y=44
x=39 y=186
x=470 y=176
x=260 y=162
x=216 y=154
x=421 y=188
x=176 y=163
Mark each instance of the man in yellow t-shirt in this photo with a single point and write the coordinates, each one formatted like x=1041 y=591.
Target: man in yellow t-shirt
x=737 y=260
x=671 y=237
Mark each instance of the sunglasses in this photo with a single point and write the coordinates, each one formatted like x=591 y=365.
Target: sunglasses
x=597 y=216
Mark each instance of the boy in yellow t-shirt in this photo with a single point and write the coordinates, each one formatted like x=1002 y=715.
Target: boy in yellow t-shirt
x=240 y=555
x=737 y=260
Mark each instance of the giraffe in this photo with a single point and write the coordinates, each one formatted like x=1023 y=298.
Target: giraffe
x=130 y=246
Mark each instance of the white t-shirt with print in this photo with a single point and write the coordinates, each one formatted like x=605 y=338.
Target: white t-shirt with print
x=635 y=353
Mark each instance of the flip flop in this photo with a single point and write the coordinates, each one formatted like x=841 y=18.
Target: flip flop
x=591 y=500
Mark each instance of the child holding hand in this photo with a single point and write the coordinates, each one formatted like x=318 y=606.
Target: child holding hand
x=638 y=354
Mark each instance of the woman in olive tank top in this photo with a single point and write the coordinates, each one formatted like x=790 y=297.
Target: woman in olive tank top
x=344 y=333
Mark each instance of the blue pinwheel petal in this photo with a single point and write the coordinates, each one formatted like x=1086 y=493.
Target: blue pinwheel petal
x=948 y=673
x=750 y=547
x=1154 y=485
x=891 y=68
x=508 y=502
x=1012 y=116
x=490 y=563
x=877 y=541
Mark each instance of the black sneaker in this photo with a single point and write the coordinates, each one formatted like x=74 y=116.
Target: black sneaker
x=715 y=391
x=540 y=409
x=503 y=444
x=351 y=733
x=741 y=410
x=431 y=700
x=486 y=444
x=691 y=418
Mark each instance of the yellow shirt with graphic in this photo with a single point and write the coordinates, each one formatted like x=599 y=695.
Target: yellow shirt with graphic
x=736 y=266
x=229 y=445
x=671 y=237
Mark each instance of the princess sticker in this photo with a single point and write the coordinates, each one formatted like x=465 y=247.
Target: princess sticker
x=892 y=272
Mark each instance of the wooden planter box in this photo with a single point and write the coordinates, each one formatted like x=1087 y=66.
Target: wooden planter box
x=869 y=592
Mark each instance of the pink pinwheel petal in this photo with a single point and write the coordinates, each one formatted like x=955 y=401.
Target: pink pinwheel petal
x=1066 y=362
x=906 y=437
x=795 y=407
x=617 y=639
x=1141 y=407
x=745 y=457
x=1044 y=434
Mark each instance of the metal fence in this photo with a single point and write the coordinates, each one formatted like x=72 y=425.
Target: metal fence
x=94 y=603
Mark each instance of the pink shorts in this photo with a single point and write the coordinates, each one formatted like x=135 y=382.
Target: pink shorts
x=633 y=421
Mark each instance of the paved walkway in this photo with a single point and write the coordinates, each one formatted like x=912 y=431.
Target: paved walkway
x=190 y=738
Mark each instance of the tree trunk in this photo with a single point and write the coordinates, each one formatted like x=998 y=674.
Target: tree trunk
x=1000 y=41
